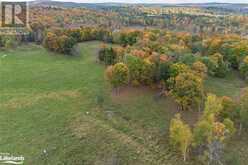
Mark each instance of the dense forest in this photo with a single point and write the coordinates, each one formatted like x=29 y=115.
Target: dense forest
x=195 y=19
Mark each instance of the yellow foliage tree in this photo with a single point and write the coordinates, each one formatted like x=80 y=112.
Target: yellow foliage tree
x=188 y=90
x=180 y=135
x=200 y=69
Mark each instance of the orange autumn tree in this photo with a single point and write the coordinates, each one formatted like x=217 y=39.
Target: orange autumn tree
x=51 y=41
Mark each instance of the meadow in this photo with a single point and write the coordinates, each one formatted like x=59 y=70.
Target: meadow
x=57 y=109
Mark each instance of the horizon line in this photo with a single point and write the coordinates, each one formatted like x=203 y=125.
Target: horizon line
x=246 y=3
x=109 y=2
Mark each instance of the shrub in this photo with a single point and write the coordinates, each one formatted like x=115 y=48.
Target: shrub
x=9 y=41
x=51 y=41
x=229 y=124
x=109 y=72
x=74 y=33
x=66 y=44
x=216 y=65
x=87 y=34
x=230 y=109
x=59 y=43
x=221 y=68
x=118 y=75
x=104 y=35
x=107 y=55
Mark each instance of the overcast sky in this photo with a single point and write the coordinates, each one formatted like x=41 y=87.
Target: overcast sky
x=149 y=1
x=160 y=1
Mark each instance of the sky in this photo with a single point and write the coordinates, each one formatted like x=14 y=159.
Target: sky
x=151 y=1
x=159 y=1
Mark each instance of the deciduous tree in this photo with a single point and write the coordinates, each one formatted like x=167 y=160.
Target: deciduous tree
x=200 y=69
x=188 y=90
x=118 y=75
x=210 y=132
x=244 y=68
x=244 y=108
x=230 y=109
x=180 y=135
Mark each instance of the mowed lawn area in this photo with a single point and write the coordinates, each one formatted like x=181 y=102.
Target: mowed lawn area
x=57 y=109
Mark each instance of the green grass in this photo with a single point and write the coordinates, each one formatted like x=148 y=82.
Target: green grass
x=230 y=86
x=48 y=102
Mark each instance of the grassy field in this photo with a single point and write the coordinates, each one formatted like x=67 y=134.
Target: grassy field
x=50 y=113
x=229 y=86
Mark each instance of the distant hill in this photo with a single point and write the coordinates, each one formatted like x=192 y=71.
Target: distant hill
x=73 y=4
x=233 y=7
x=229 y=7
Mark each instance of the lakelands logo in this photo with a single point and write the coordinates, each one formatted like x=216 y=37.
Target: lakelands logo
x=14 y=17
x=7 y=158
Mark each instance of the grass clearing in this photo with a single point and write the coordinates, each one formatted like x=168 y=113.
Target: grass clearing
x=229 y=86
x=48 y=103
